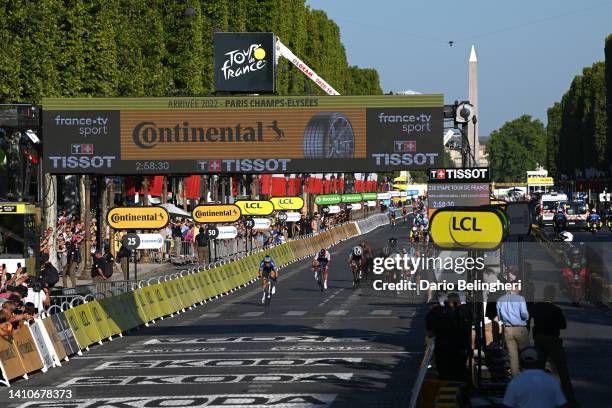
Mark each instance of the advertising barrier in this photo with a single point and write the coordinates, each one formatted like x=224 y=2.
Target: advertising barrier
x=247 y=134
x=56 y=337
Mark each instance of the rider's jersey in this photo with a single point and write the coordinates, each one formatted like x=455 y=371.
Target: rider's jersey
x=267 y=268
x=323 y=258
x=593 y=217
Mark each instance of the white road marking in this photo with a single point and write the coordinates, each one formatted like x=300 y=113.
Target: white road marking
x=381 y=312
x=208 y=315
x=295 y=400
x=296 y=313
x=252 y=314
x=337 y=313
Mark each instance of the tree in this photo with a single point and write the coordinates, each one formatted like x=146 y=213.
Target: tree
x=608 y=81
x=518 y=146
x=552 y=139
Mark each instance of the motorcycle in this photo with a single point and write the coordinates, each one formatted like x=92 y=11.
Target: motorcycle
x=575 y=277
x=594 y=225
x=560 y=224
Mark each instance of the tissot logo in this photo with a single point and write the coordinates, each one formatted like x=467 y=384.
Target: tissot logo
x=147 y=135
x=476 y=174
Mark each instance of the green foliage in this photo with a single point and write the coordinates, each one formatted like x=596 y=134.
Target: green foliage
x=578 y=126
x=518 y=146
x=608 y=81
x=152 y=48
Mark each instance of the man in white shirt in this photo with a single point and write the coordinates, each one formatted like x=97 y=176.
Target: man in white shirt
x=533 y=387
x=36 y=295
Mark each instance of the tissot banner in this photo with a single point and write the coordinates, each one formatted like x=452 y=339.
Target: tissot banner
x=244 y=62
x=289 y=134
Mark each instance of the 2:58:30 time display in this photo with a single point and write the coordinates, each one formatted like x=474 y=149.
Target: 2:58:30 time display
x=152 y=165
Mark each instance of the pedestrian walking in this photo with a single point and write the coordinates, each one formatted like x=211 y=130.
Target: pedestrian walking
x=513 y=315
x=548 y=321
x=533 y=388
x=177 y=235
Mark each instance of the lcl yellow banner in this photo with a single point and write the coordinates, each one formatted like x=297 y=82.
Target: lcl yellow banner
x=287 y=203
x=255 y=207
x=453 y=228
x=216 y=213
x=151 y=217
x=542 y=181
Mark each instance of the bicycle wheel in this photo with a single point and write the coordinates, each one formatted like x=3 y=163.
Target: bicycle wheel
x=320 y=279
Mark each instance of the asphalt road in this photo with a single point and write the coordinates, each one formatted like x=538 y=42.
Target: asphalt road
x=588 y=337
x=340 y=348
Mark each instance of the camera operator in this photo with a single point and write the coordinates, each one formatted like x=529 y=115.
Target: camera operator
x=38 y=294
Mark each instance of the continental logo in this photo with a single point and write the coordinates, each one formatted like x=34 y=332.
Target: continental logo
x=152 y=217
x=287 y=203
x=148 y=134
x=468 y=228
x=210 y=214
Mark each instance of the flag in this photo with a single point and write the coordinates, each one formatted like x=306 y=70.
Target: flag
x=156 y=184
x=341 y=183
x=279 y=185
x=293 y=186
x=130 y=188
x=359 y=182
x=235 y=186
x=317 y=183
x=265 y=184
x=192 y=187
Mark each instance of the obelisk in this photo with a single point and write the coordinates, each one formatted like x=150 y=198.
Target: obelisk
x=473 y=97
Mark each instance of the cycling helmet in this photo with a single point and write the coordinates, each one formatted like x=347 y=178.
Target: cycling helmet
x=566 y=236
x=267 y=259
x=322 y=252
x=357 y=251
x=392 y=242
x=414 y=228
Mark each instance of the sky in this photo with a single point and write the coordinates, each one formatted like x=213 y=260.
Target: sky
x=528 y=51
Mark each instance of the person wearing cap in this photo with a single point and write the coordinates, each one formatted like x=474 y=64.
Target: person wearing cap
x=533 y=388
x=513 y=315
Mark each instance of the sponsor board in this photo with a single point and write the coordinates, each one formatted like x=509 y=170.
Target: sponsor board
x=351 y=198
x=261 y=223
x=245 y=62
x=258 y=339
x=255 y=207
x=226 y=232
x=328 y=199
x=293 y=216
x=457 y=195
x=211 y=214
x=96 y=381
x=126 y=218
x=150 y=241
x=287 y=203
x=460 y=175
x=355 y=206
x=541 y=181
x=371 y=203
x=245 y=134
x=333 y=209
x=368 y=196
x=468 y=228
x=295 y=400
x=519 y=219
x=226 y=362
x=383 y=196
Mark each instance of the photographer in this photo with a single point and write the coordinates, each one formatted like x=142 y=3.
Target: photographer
x=37 y=294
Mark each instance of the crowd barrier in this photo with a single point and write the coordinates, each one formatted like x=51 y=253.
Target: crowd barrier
x=73 y=326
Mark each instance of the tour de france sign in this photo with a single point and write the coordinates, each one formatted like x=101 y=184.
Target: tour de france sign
x=255 y=134
x=468 y=228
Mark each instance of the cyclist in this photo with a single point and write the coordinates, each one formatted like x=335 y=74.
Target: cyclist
x=391 y=250
x=414 y=234
x=391 y=215
x=268 y=271
x=355 y=260
x=322 y=258
x=367 y=257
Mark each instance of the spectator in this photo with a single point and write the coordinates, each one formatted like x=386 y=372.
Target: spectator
x=548 y=321
x=201 y=241
x=98 y=267
x=124 y=260
x=513 y=315
x=73 y=261
x=49 y=274
x=177 y=235
x=533 y=388
x=38 y=294
x=450 y=324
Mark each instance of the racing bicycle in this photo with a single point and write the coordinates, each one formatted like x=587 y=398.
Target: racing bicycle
x=319 y=272
x=267 y=289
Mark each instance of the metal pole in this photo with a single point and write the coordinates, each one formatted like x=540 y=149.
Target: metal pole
x=135 y=265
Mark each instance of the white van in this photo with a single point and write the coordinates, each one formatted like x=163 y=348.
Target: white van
x=547 y=207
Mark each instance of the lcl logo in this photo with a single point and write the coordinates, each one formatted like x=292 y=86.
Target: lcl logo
x=465 y=224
